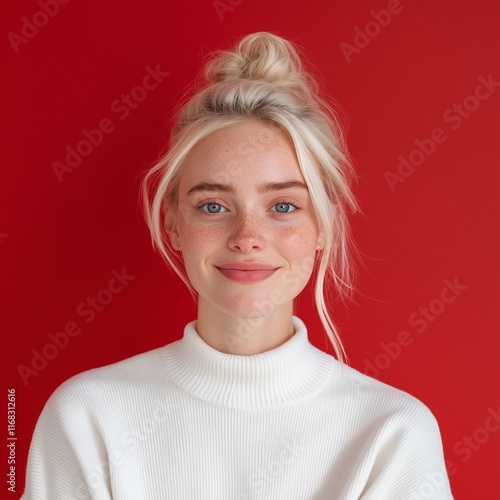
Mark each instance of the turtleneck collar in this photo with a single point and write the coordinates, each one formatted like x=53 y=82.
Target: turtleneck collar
x=286 y=375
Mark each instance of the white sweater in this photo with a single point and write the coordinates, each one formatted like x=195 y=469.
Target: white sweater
x=186 y=421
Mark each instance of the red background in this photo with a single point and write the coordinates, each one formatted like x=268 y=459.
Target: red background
x=60 y=241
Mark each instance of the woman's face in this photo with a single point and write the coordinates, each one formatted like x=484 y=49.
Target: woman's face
x=245 y=221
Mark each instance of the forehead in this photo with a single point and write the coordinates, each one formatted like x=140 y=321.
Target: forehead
x=238 y=154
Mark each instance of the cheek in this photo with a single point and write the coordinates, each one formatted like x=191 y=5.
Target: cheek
x=195 y=235
x=198 y=239
x=299 y=240
x=299 y=249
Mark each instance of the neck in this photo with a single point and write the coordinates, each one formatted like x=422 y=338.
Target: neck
x=245 y=336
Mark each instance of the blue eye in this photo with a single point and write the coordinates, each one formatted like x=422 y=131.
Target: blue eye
x=212 y=208
x=284 y=208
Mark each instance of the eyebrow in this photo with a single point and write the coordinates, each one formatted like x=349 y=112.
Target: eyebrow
x=262 y=188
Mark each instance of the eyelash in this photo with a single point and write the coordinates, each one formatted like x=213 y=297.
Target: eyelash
x=215 y=202
x=287 y=202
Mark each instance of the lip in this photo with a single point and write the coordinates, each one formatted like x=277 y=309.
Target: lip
x=246 y=272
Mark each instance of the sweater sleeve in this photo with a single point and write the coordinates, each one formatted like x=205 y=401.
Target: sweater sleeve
x=409 y=462
x=67 y=457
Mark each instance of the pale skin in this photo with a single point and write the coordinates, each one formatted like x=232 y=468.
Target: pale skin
x=242 y=202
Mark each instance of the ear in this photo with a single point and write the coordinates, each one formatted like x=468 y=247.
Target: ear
x=321 y=241
x=170 y=223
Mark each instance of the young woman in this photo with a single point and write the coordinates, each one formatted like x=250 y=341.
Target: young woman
x=248 y=203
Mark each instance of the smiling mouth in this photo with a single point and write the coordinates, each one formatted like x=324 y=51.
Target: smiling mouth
x=247 y=274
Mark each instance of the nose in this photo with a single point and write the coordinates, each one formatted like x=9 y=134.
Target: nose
x=247 y=234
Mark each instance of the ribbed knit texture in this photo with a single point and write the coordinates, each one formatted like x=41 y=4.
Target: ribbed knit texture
x=186 y=421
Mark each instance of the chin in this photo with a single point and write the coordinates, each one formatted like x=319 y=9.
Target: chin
x=252 y=306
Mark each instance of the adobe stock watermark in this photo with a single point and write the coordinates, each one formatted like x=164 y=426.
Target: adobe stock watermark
x=264 y=477
x=134 y=437
x=419 y=320
x=243 y=151
x=31 y=27
x=454 y=117
x=261 y=142
x=86 y=312
x=363 y=36
x=247 y=327
x=221 y=7
x=121 y=108
x=470 y=443
x=430 y=487
x=99 y=473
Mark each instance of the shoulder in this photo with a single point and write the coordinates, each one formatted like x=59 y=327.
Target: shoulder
x=110 y=385
x=142 y=366
x=380 y=402
x=395 y=433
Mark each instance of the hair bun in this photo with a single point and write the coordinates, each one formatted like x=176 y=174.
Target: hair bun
x=259 y=56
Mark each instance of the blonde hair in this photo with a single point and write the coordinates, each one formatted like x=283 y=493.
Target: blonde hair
x=263 y=78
